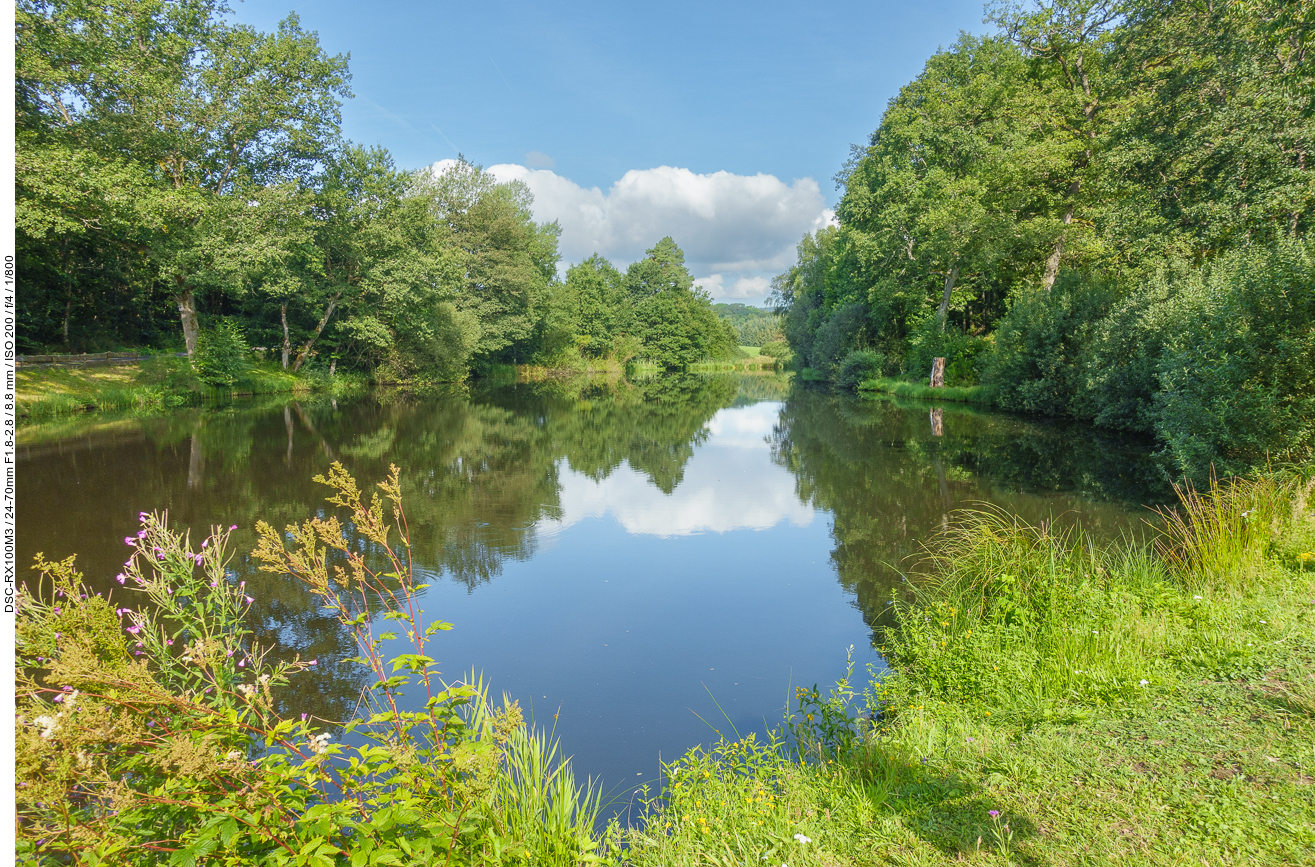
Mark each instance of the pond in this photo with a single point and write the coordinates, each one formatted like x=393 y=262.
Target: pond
x=640 y=565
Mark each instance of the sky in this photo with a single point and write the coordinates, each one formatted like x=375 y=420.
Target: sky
x=719 y=124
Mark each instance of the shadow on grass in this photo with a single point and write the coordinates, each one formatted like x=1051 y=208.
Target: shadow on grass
x=941 y=809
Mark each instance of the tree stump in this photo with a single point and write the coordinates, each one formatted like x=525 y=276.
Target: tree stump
x=937 y=422
x=938 y=373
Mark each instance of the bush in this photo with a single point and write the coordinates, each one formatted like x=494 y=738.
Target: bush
x=775 y=349
x=1237 y=376
x=222 y=355
x=857 y=366
x=1035 y=364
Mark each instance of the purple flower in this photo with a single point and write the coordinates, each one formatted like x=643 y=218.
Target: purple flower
x=994 y=814
x=303 y=717
x=120 y=578
x=134 y=629
x=130 y=540
x=242 y=663
x=214 y=583
x=234 y=527
x=313 y=662
x=142 y=516
x=205 y=543
x=141 y=534
x=250 y=600
x=59 y=698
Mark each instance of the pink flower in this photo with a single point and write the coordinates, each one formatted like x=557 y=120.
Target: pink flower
x=205 y=543
x=130 y=540
x=242 y=663
x=120 y=578
x=313 y=662
x=134 y=629
x=141 y=534
x=250 y=600
x=234 y=527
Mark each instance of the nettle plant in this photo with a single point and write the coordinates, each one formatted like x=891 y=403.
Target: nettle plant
x=152 y=734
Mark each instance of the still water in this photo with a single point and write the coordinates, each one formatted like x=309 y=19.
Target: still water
x=639 y=564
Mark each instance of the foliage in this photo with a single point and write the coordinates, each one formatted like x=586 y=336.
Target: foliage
x=1118 y=196
x=858 y=366
x=753 y=325
x=155 y=735
x=222 y=355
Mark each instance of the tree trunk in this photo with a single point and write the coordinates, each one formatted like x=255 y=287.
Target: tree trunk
x=1052 y=263
x=938 y=372
x=942 y=313
x=324 y=320
x=287 y=344
x=187 y=312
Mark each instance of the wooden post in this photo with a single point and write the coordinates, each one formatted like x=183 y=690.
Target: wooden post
x=938 y=372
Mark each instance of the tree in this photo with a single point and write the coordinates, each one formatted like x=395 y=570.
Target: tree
x=596 y=304
x=195 y=109
x=675 y=321
x=509 y=261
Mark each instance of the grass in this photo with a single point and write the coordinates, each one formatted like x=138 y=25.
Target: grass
x=1112 y=705
x=979 y=394
x=154 y=384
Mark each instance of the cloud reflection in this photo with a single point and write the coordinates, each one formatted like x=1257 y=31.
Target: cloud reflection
x=730 y=483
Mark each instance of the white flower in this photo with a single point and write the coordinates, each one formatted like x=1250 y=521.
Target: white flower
x=233 y=755
x=803 y=841
x=49 y=724
x=1196 y=597
x=1143 y=682
x=319 y=743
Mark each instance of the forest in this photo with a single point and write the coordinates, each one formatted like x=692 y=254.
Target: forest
x=1098 y=210
x=182 y=182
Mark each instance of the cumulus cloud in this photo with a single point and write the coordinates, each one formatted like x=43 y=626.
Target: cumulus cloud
x=736 y=230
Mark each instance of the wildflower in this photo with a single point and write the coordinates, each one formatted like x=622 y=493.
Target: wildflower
x=141 y=534
x=1143 y=682
x=969 y=740
x=120 y=578
x=994 y=814
x=234 y=527
x=49 y=725
x=250 y=599
x=233 y=755
x=803 y=841
x=319 y=743
x=134 y=629
x=1196 y=597
x=130 y=540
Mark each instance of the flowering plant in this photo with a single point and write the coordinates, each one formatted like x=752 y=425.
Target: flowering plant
x=152 y=735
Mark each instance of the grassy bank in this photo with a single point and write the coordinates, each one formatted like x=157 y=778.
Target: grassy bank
x=154 y=384
x=1053 y=703
x=978 y=394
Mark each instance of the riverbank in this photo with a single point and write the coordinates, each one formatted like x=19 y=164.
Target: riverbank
x=158 y=383
x=1055 y=703
x=978 y=394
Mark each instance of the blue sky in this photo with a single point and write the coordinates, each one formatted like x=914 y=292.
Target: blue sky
x=570 y=98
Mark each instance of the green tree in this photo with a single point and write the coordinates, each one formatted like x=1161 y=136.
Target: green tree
x=510 y=262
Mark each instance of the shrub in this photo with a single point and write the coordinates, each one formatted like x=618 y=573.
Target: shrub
x=1237 y=376
x=775 y=349
x=857 y=366
x=222 y=355
x=1035 y=364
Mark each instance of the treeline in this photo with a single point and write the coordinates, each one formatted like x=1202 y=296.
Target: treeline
x=1102 y=210
x=753 y=326
x=182 y=181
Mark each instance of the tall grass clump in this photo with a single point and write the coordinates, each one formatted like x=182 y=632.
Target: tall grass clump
x=1028 y=621
x=152 y=733
x=1219 y=533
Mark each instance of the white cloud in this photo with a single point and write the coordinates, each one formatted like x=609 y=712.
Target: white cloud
x=738 y=229
x=730 y=483
x=742 y=287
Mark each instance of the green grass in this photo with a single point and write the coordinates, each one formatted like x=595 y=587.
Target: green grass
x=903 y=388
x=154 y=384
x=1114 y=705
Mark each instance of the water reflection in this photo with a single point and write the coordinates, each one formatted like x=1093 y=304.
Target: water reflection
x=615 y=553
